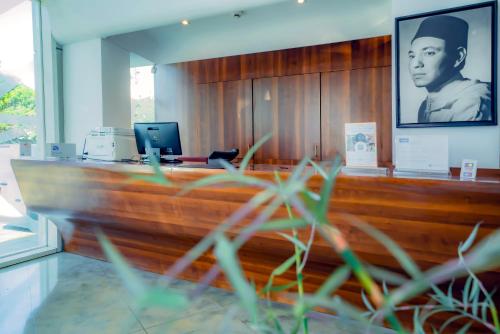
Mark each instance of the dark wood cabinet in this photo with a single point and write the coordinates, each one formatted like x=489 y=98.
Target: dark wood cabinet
x=304 y=96
x=289 y=108
x=224 y=116
x=355 y=96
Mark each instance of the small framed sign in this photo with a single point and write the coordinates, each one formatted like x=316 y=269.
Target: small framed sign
x=469 y=170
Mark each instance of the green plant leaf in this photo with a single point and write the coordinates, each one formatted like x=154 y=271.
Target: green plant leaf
x=484 y=311
x=399 y=254
x=417 y=325
x=328 y=185
x=449 y=321
x=284 y=224
x=384 y=275
x=475 y=302
x=218 y=179
x=318 y=168
x=226 y=256
x=367 y=303
x=474 y=290
x=336 y=279
x=466 y=290
x=470 y=240
x=283 y=267
x=384 y=288
x=164 y=298
x=279 y=288
x=465 y=328
x=126 y=273
x=293 y=240
x=248 y=156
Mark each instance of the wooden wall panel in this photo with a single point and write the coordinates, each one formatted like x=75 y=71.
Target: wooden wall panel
x=289 y=108
x=214 y=116
x=355 y=87
x=370 y=52
x=224 y=116
x=361 y=95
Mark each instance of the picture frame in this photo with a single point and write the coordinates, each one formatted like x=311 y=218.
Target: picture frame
x=446 y=67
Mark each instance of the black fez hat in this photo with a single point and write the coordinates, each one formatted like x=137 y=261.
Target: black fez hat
x=450 y=28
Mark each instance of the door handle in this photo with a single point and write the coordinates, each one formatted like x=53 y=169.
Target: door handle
x=316 y=151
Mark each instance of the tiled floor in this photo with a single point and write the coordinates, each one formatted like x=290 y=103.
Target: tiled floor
x=66 y=293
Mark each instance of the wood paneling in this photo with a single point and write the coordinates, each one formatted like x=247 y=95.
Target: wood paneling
x=214 y=116
x=153 y=226
x=223 y=117
x=363 y=53
x=289 y=108
x=362 y=95
x=355 y=87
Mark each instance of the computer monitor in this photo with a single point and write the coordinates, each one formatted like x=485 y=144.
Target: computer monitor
x=158 y=139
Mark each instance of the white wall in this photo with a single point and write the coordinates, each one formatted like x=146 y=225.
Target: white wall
x=481 y=143
x=96 y=80
x=82 y=78
x=115 y=86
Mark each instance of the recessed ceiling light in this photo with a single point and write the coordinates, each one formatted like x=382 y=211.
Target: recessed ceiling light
x=300 y=2
x=185 y=22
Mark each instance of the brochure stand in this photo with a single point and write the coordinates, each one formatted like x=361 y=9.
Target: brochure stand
x=365 y=171
x=422 y=174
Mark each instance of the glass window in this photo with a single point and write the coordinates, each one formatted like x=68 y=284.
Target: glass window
x=20 y=231
x=17 y=76
x=142 y=94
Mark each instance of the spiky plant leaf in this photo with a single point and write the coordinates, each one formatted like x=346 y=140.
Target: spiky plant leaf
x=248 y=156
x=384 y=275
x=284 y=224
x=132 y=281
x=417 y=325
x=336 y=279
x=470 y=240
x=226 y=256
x=367 y=303
x=465 y=328
x=399 y=254
x=279 y=288
x=294 y=241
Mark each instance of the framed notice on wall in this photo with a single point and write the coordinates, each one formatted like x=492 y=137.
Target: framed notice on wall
x=361 y=144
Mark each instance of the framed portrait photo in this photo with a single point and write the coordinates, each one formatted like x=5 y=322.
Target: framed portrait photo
x=446 y=67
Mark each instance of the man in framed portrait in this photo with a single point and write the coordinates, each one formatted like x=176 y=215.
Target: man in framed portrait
x=437 y=55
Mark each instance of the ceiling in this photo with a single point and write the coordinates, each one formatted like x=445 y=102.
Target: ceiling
x=275 y=26
x=77 y=20
x=5 y=5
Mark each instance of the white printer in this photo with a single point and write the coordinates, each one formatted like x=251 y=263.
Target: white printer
x=110 y=144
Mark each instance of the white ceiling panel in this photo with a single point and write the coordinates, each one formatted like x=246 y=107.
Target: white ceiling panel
x=77 y=20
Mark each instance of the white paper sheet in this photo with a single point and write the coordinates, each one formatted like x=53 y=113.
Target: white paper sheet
x=361 y=144
x=427 y=153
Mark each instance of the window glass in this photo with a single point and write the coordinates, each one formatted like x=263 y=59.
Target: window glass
x=17 y=76
x=142 y=94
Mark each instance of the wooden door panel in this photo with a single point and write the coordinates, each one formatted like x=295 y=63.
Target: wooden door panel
x=362 y=95
x=289 y=108
x=224 y=114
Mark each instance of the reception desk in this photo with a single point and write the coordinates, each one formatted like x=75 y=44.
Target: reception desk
x=153 y=226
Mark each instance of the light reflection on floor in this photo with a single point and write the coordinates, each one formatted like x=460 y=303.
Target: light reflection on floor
x=66 y=293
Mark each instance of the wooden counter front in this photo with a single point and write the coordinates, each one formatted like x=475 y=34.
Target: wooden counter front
x=153 y=227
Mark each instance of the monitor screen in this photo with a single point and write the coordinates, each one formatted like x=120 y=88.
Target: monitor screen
x=164 y=136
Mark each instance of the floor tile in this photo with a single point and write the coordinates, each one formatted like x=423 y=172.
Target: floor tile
x=66 y=293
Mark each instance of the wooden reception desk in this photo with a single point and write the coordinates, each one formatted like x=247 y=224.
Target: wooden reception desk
x=153 y=227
